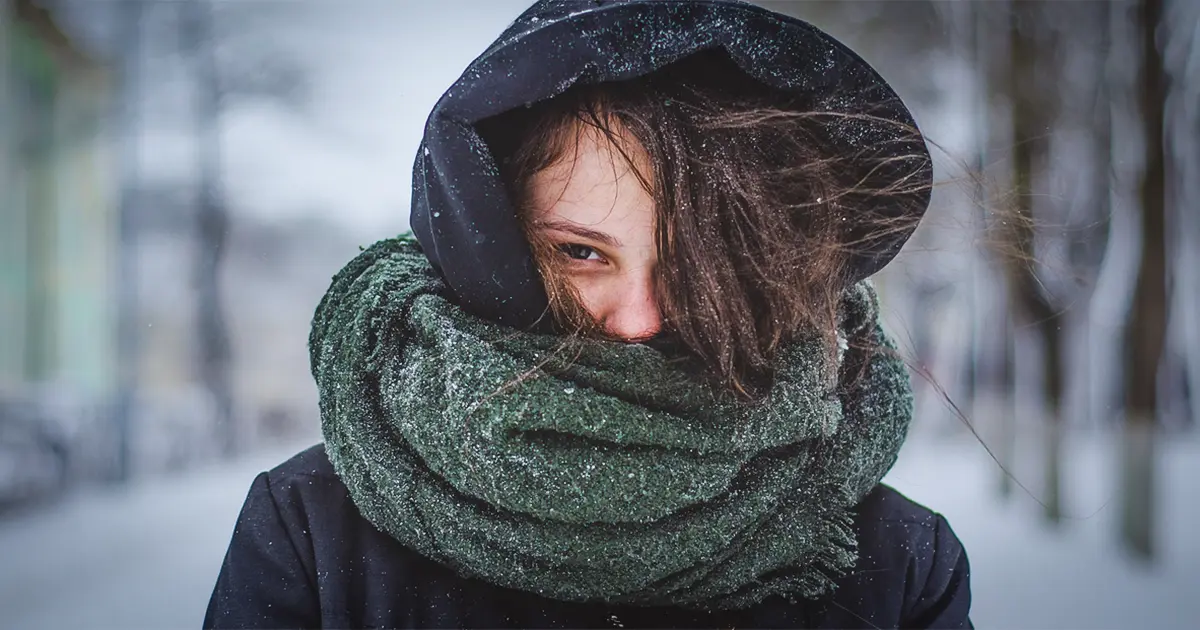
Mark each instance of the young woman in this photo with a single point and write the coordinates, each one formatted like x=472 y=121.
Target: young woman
x=627 y=373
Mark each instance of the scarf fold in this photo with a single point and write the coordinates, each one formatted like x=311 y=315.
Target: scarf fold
x=587 y=470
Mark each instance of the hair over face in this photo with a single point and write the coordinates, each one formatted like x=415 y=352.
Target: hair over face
x=754 y=212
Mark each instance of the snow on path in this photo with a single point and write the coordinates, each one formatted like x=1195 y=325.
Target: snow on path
x=1026 y=574
x=146 y=556
x=143 y=556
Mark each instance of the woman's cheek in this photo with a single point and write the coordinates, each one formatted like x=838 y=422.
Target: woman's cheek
x=595 y=291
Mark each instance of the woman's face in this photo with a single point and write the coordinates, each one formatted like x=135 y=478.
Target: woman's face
x=592 y=207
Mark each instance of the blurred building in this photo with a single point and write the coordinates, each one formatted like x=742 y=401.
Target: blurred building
x=58 y=230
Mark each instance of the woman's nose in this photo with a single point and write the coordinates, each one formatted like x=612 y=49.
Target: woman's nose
x=634 y=315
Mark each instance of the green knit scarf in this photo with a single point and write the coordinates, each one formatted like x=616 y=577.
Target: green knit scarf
x=591 y=470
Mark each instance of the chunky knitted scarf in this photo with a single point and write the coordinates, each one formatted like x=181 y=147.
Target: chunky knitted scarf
x=593 y=470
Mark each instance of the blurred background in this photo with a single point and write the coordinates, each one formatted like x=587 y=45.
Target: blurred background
x=180 y=179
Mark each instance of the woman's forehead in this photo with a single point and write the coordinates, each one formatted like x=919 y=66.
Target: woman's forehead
x=595 y=176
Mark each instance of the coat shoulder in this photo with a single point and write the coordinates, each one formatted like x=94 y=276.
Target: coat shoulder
x=911 y=563
x=306 y=486
x=886 y=504
x=312 y=499
x=309 y=463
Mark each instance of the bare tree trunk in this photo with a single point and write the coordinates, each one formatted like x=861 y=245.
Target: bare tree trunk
x=964 y=21
x=128 y=301
x=1115 y=283
x=1145 y=333
x=212 y=224
x=1181 y=376
x=1053 y=390
x=1033 y=307
x=994 y=336
x=1102 y=117
x=1189 y=267
x=1006 y=450
x=991 y=57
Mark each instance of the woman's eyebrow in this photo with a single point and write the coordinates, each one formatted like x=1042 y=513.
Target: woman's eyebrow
x=580 y=231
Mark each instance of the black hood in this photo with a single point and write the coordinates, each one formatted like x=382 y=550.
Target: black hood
x=461 y=213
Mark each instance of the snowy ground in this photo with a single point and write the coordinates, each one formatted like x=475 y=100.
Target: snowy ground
x=129 y=558
x=146 y=556
x=1026 y=574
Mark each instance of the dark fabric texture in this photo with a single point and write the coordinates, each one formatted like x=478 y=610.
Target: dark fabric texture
x=588 y=470
x=303 y=557
x=460 y=210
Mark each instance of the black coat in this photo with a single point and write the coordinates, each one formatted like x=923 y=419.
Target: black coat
x=303 y=557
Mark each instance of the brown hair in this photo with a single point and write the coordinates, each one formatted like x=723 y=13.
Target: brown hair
x=752 y=222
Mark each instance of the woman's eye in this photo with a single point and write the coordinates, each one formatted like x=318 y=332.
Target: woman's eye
x=579 y=252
